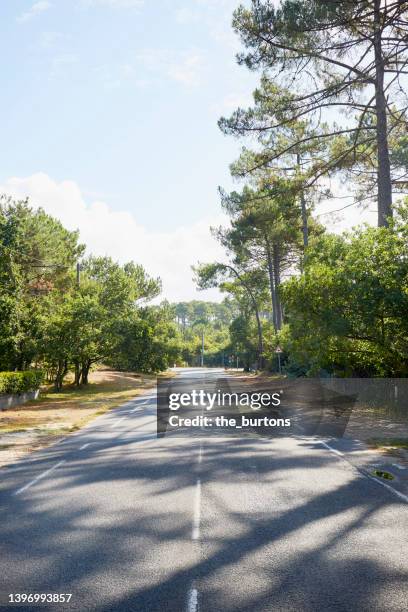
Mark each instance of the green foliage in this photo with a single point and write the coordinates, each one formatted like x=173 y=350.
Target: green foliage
x=211 y=319
x=345 y=307
x=320 y=60
x=149 y=341
x=247 y=288
x=243 y=339
x=348 y=312
x=47 y=318
x=20 y=382
x=36 y=252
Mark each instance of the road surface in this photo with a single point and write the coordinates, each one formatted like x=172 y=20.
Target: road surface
x=125 y=521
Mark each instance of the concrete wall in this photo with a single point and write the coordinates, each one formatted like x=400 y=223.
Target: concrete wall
x=9 y=401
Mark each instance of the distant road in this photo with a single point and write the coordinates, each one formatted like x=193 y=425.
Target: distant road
x=126 y=521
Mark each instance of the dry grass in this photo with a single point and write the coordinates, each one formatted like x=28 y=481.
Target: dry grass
x=389 y=444
x=42 y=422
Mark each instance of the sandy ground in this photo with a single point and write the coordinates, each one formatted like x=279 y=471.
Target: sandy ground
x=376 y=427
x=45 y=421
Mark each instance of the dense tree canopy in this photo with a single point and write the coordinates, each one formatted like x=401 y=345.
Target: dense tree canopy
x=53 y=319
x=321 y=58
x=348 y=312
x=330 y=101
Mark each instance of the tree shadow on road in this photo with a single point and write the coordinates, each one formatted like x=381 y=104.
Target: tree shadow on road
x=114 y=528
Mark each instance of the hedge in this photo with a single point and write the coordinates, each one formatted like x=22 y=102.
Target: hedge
x=20 y=382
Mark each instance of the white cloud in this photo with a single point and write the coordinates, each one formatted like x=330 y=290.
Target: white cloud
x=184 y=67
x=60 y=64
x=187 y=71
x=231 y=102
x=186 y=15
x=118 y=234
x=48 y=40
x=114 y=76
x=114 y=3
x=36 y=9
x=215 y=15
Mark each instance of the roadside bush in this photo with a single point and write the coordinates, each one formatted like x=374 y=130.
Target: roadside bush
x=20 y=382
x=347 y=312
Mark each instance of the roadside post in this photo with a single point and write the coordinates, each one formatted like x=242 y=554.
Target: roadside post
x=278 y=351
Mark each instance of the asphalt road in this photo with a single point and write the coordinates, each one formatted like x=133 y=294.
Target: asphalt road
x=125 y=521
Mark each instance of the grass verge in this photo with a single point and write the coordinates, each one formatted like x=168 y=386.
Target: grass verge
x=389 y=443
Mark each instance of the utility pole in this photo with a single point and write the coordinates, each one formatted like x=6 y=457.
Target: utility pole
x=202 y=349
x=78 y=273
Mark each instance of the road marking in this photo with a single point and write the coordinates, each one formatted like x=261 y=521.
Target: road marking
x=84 y=446
x=195 y=535
x=192 y=603
x=136 y=409
x=200 y=454
x=333 y=450
x=117 y=422
x=386 y=486
x=40 y=477
x=366 y=474
x=400 y=467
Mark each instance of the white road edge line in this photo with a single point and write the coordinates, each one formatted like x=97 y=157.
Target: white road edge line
x=333 y=450
x=84 y=446
x=364 y=473
x=116 y=423
x=68 y=439
x=386 y=486
x=195 y=535
x=40 y=477
x=400 y=467
x=192 y=603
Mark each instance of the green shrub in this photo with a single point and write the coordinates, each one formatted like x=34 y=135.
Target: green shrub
x=20 y=382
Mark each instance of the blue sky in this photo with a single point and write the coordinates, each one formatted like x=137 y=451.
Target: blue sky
x=109 y=121
x=122 y=97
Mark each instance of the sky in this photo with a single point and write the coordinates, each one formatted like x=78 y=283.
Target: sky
x=109 y=122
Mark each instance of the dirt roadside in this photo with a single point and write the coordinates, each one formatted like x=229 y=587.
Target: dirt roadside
x=382 y=432
x=47 y=420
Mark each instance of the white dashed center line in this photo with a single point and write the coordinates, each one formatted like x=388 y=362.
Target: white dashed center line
x=192 y=603
x=197 y=512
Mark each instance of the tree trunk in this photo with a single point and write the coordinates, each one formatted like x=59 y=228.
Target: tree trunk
x=260 y=339
x=258 y=319
x=78 y=373
x=383 y=157
x=272 y=285
x=61 y=372
x=85 y=372
x=276 y=269
x=305 y=228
